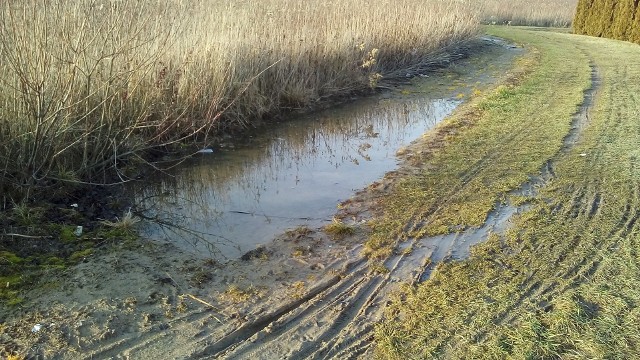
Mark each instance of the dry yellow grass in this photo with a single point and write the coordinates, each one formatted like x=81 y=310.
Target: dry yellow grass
x=556 y=13
x=87 y=83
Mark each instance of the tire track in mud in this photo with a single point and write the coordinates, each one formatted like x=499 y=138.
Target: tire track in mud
x=336 y=318
x=357 y=313
x=590 y=261
x=580 y=121
x=124 y=345
x=342 y=313
x=333 y=288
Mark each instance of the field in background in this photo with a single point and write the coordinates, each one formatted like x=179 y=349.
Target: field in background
x=554 y=13
x=85 y=84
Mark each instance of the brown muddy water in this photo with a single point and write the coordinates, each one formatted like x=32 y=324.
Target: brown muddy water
x=243 y=194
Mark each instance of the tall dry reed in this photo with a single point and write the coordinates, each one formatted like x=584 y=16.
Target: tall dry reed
x=86 y=84
x=555 y=13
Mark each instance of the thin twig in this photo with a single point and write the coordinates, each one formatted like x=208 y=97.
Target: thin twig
x=205 y=303
x=26 y=236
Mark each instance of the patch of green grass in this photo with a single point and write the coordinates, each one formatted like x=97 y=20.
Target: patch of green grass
x=118 y=233
x=80 y=255
x=10 y=289
x=67 y=234
x=493 y=144
x=563 y=282
x=9 y=258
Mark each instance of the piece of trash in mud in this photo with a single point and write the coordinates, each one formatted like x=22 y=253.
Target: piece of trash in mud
x=74 y=205
x=78 y=231
x=583 y=154
x=36 y=328
x=260 y=252
x=204 y=151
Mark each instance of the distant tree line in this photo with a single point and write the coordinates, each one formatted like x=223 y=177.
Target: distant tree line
x=616 y=19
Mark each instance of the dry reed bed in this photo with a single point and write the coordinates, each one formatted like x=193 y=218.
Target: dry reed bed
x=555 y=13
x=85 y=84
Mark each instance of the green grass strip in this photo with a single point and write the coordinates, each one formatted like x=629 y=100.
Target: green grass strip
x=496 y=142
x=563 y=282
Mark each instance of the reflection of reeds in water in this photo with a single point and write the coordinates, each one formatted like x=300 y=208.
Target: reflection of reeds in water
x=205 y=192
x=338 y=137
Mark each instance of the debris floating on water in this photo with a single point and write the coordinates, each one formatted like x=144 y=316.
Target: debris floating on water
x=204 y=151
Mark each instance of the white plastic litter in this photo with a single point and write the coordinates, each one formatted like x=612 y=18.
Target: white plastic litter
x=74 y=205
x=36 y=328
x=205 y=151
x=78 y=231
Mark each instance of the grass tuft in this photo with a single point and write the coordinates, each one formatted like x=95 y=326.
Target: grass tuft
x=339 y=230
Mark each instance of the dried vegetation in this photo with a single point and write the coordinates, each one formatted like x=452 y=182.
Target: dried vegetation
x=88 y=87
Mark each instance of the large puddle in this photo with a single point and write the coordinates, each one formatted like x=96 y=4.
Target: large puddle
x=226 y=203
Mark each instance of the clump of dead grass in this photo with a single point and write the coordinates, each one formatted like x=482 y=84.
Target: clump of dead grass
x=338 y=230
x=127 y=222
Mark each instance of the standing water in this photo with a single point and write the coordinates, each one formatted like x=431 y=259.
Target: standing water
x=226 y=203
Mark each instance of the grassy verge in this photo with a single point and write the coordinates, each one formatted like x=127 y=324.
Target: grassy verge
x=562 y=283
x=493 y=144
